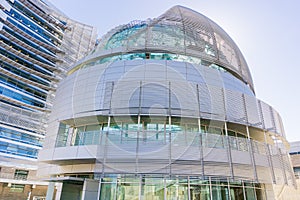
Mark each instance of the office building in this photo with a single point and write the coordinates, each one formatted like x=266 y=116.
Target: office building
x=38 y=43
x=164 y=109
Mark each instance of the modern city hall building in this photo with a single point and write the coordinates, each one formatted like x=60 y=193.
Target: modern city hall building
x=164 y=109
x=37 y=44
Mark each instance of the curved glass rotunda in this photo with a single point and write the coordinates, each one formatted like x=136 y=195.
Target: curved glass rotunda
x=164 y=109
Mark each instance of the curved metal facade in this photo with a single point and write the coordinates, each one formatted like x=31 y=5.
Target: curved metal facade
x=123 y=114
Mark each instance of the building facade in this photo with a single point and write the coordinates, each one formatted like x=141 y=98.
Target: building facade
x=295 y=157
x=164 y=109
x=37 y=45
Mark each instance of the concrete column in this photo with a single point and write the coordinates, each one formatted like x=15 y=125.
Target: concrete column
x=58 y=190
x=90 y=189
x=50 y=191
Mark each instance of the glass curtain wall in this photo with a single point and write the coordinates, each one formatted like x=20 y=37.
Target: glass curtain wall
x=179 y=188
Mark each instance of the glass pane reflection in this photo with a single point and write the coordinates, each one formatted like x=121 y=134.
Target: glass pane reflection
x=200 y=192
x=108 y=191
x=128 y=191
x=181 y=188
x=220 y=192
x=152 y=189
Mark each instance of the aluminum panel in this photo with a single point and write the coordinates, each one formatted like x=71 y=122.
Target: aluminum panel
x=217 y=109
x=252 y=110
x=235 y=108
x=278 y=123
x=267 y=116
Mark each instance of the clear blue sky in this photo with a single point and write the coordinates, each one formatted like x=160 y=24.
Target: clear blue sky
x=267 y=32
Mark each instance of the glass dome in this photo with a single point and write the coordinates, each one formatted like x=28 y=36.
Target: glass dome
x=180 y=32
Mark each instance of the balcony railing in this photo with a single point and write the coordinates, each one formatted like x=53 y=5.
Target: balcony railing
x=161 y=138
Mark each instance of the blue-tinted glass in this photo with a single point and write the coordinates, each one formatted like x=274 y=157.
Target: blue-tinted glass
x=24 y=62
x=32 y=15
x=28 y=31
x=20 y=137
x=25 y=51
x=27 y=41
x=18 y=85
x=18 y=150
x=30 y=25
x=120 y=38
x=23 y=73
x=20 y=97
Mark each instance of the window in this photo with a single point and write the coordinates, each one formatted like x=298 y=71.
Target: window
x=21 y=174
x=62 y=136
x=17 y=188
x=38 y=198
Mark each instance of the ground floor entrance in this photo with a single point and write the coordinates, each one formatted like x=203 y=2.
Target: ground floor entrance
x=128 y=187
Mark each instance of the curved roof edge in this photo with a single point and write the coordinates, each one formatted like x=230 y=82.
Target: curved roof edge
x=181 y=31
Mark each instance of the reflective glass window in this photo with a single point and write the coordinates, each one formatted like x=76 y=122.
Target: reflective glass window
x=236 y=193
x=17 y=188
x=199 y=192
x=62 y=135
x=220 y=192
x=250 y=193
x=21 y=174
x=20 y=137
x=177 y=189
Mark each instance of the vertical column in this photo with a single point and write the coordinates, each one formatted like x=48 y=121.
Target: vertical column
x=228 y=187
x=228 y=146
x=200 y=133
x=250 y=149
x=189 y=188
x=122 y=132
x=105 y=145
x=107 y=131
x=50 y=191
x=267 y=147
x=210 y=189
x=229 y=151
x=99 y=189
x=137 y=145
x=201 y=149
x=165 y=188
x=199 y=112
x=138 y=130
x=244 y=192
x=169 y=131
x=170 y=146
x=58 y=190
x=141 y=188
x=165 y=132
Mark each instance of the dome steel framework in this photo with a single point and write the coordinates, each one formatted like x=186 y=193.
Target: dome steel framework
x=179 y=31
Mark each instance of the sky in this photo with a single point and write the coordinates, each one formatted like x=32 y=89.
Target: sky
x=267 y=32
